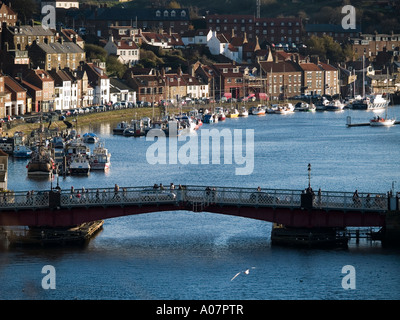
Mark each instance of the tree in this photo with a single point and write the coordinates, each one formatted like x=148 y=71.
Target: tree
x=25 y=9
x=115 y=67
x=95 y=52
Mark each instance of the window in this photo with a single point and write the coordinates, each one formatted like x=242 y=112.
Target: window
x=183 y=14
x=165 y=13
x=173 y=13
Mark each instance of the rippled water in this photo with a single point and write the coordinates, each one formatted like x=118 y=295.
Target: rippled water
x=186 y=255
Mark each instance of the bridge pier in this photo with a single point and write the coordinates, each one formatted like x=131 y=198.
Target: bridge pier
x=391 y=236
x=309 y=237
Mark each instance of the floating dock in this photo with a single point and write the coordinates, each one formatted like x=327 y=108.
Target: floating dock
x=363 y=124
x=55 y=236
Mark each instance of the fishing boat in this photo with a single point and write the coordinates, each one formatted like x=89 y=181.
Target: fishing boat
x=136 y=129
x=76 y=146
x=258 y=111
x=335 y=105
x=79 y=165
x=100 y=158
x=90 y=138
x=41 y=163
x=58 y=142
x=121 y=126
x=243 y=112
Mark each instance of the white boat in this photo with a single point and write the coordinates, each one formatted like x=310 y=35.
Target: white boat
x=285 y=109
x=79 y=165
x=100 y=158
x=243 y=112
x=121 y=126
x=305 y=107
x=381 y=122
x=258 y=111
x=372 y=102
x=378 y=121
x=335 y=105
x=76 y=146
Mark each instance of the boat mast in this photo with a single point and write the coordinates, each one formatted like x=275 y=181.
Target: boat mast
x=363 y=71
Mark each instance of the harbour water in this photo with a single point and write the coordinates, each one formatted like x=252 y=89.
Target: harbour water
x=186 y=255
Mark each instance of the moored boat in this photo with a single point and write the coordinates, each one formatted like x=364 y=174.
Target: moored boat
x=40 y=164
x=243 y=112
x=233 y=113
x=335 y=105
x=90 y=138
x=121 y=126
x=258 y=111
x=21 y=151
x=381 y=122
x=79 y=165
x=100 y=158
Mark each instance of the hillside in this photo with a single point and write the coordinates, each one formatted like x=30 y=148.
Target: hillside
x=382 y=16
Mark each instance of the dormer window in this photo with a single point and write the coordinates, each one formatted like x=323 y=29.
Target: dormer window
x=158 y=13
x=165 y=13
x=183 y=14
x=173 y=13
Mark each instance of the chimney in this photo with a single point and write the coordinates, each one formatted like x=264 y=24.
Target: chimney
x=233 y=33
x=245 y=38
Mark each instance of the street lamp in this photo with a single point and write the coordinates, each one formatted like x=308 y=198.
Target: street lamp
x=309 y=176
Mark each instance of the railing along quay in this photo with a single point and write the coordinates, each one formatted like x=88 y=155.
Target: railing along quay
x=204 y=195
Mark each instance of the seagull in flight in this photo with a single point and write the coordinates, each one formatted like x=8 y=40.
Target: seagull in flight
x=247 y=271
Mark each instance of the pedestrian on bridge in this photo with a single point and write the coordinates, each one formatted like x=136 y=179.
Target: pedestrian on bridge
x=116 y=190
x=356 y=198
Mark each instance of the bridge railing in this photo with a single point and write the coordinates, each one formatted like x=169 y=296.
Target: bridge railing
x=124 y=196
x=242 y=196
x=22 y=199
x=196 y=194
x=285 y=198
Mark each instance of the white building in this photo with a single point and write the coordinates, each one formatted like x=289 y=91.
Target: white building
x=62 y=4
x=126 y=50
x=196 y=37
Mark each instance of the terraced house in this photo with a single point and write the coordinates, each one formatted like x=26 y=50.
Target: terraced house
x=56 y=55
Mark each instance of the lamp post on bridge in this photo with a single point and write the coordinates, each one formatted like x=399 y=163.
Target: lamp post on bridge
x=309 y=176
